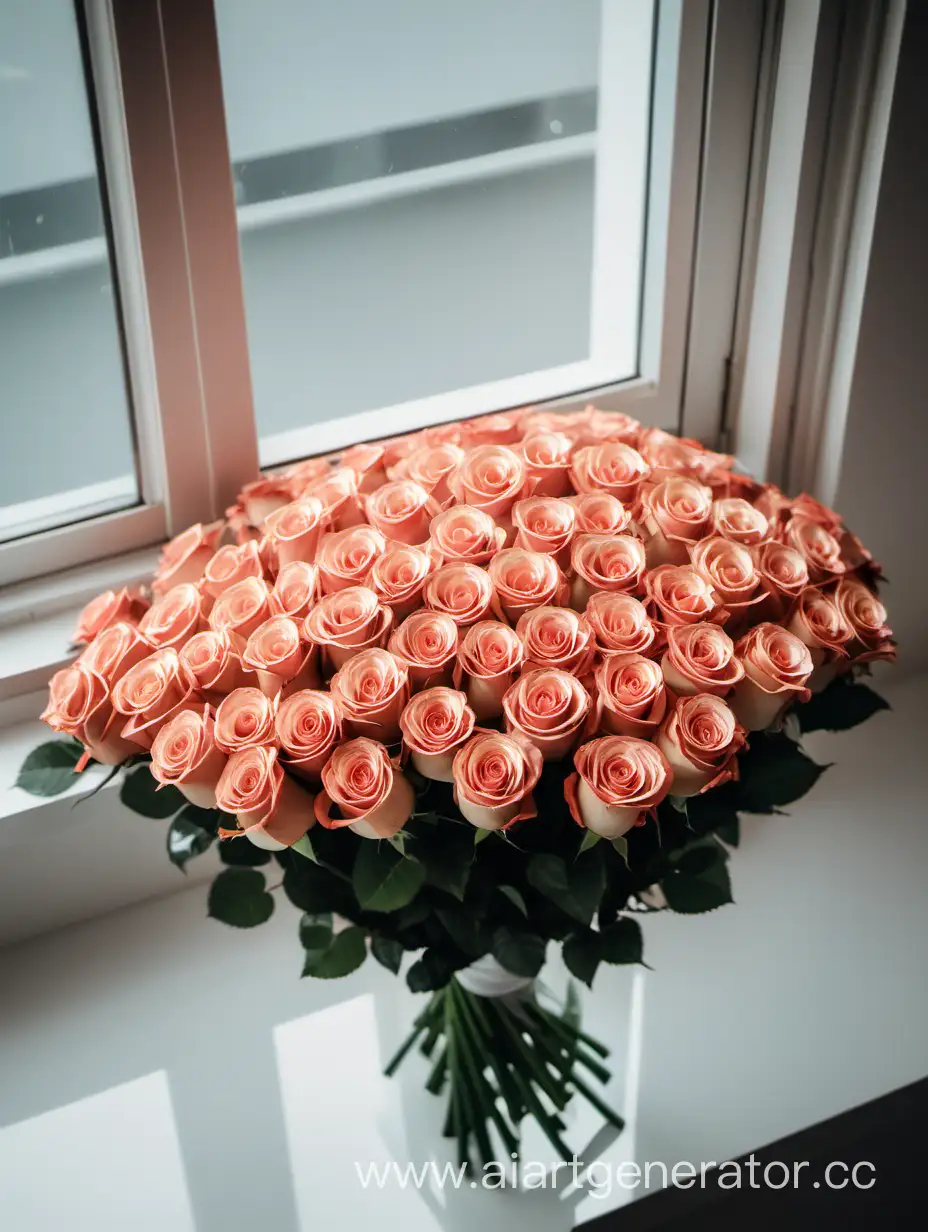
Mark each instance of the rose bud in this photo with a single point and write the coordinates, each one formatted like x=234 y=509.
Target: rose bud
x=463 y=591
x=435 y=724
x=370 y=692
x=556 y=637
x=264 y=496
x=620 y=623
x=524 y=580
x=680 y=595
x=346 y=557
x=736 y=519
x=186 y=556
x=463 y=533
x=817 y=621
x=211 y=663
x=242 y=608
x=503 y=428
x=700 y=659
x=401 y=511
x=374 y=799
x=429 y=466
x=80 y=705
x=866 y=615
x=308 y=728
x=173 y=619
x=346 y=622
x=294 y=591
x=489 y=658
x=110 y=608
x=149 y=693
x=776 y=667
x=114 y=651
x=784 y=575
x=341 y=501
x=546 y=457
x=494 y=776
x=598 y=513
x=367 y=462
x=819 y=547
x=272 y=810
x=545 y=524
x=674 y=515
x=398 y=576
x=294 y=530
x=610 y=467
x=701 y=739
x=427 y=642
x=605 y=562
x=632 y=696
x=185 y=754
x=232 y=564
x=280 y=657
x=491 y=478
x=548 y=708
x=244 y=718
x=618 y=779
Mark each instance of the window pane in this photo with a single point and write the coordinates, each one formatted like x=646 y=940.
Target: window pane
x=440 y=205
x=67 y=442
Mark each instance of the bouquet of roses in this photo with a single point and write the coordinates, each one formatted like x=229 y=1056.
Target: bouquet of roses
x=477 y=689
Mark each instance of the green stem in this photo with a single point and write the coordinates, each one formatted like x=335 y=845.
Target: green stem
x=564 y=1028
x=536 y=1063
x=438 y=1073
x=456 y=1106
x=476 y=1094
x=565 y=1056
x=508 y=1090
x=603 y=1108
x=471 y=1042
x=420 y=1024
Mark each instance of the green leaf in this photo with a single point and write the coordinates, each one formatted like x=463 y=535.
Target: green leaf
x=387 y=951
x=842 y=705
x=383 y=879
x=238 y=897
x=621 y=942
x=242 y=853
x=142 y=793
x=621 y=846
x=522 y=953
x=447 y=853
x=698 y=859
x=304 y=847
x=188 y=836
x=589 y=840
x=514 y=897
x=315 y=889
x=693 y=895
x=480 y=834
x=774 y=772
x=714 y=811
x=581 y=955
x=429 y=972
x=577 y=889
x=315 y=933
x=468 y=931
x=730 y=831
x=346 y=953
x=49 y=769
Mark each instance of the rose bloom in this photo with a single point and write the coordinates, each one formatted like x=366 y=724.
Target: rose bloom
x=370 y=692
x=463 y=533
x=282 y=660
x=818 y=545
x=546 y=457
x=494 y=776
x=784 y=575
x=244 y=718
x=556 y=637
x=149 y=693
x=232 y=564
x=427 y=642
x=545 y=524
x=398 y=576
x=524 y=580
x=631 y=695
x=866 y=616
x=806 y=506
x=605 y=562
x=374 y=799
x=430 y=466
x=367 y=462
x=549 y=708
x=670 y=456
x=346 y=622
x=310 y=470
x=294 y=530
x=502 y=428
x=238 y=526
x=435 y=724
x=674 y=515
x=295 y=590
x=598 y=513
x=110 y=608
x=491 y=478
x=114 y=651
x=262 y=497
x=185 y=557
x=730 y=569
x=211 y=663
x=340 y=498
x=618 y=779
x=79 y=704
x=736 y=519
x=681 y=595
x=611 y=467
x=185 y=754
x=701 y=739
x=612 y=426
x=489 y=658
x=700 y=658
x=463 y=591
x=346 y=557
x=242 y=608
x=776 y=667
x=308 y=728
x=620 y=623
x=272 y=810
x=401 y=511
x=818 y=623
x=173 y=619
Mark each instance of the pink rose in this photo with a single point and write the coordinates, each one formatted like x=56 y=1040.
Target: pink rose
x=494 y=776
x=612 y=467
x=681 y=595
x=149 y=694
x=463 y=533
x=114 y=651
x=79 y=704
x=463 y=591
x=398 y=576
x=310 y=470
x=294 y=530
x=185 y=754
x=545 y=524
x=435 y=723
x=611 y=426
x=245 y=718
x=618 y=780
x=242 y=608
x=784 y=575
x=294 y=591
x=700 y=658
x=264 y=496
x=346 y=622
x=632 y=696
x=729 y=567
x=367 y=462
x=620 y=623
x=430 y=466
x=524 y=580
x=866 y=615
x=557 y=637
x=489 y=658
x=340 y=498
x=675 y=514
x=736 y=519
x=670 y=456
x=817 y=621
x=605 y=562
x=701 y=739
x=173 y=619
x=598 y=513
x=401 y=511
x=308 y=729
x=272 y=810
x=374 y=798
x=281 y=659
x=491 y=478
x=776 y=666
x=546 y=457
x=503 y=428
x=819 y=547
x=549 y=708
x=186 y=556
x=110 y=608
x=346 y=557
x=232 y=564
x=370 y=692
x=211 y=663
x=427 y=642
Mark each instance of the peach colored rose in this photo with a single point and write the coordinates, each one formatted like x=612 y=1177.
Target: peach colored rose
x=605 y=562
x=681 y=595
x=524 y=580
x=776 y=666
x=114 y=651
x=466 y=534
x=670 y=456
x=398 y=576
x=346 y=557
x=294 y=530
x=462 y=590
x=79 y=704
x=546 y=457
x=308 y=729
x=620 y=623
x=611 y=426
x=401 y=510
x=730 y=569
x=272 y=810
x=430 y=466
x=232 y=564
x=618 y=780
x=346 y=622
x=111 y=608
x=173 y=619
x=700 y=658
x=503 y=428
x=211 y=663
x=736 y=519
x=866 y=615
x=549 y=708
x=340 y=498
x=573 y=424
x=494 y=776
x=674 y=515
x=186 y=556
x=310 y=470
x=632 y=696
x=185 y=754
x=598 y=513
x=262 y=497
x=611 y=467
x=242 y=608
x=294 y=591
x=435 y=724
x=701 y=739
x=491 y=478
x=489 y=658
x=557 y=637
x=238 y=527
x=819 y=547
x=784 y=575
x=244 y=718
x=370 y=692
x=427 y=642
x=281 y=658
x=806 y=506
x=819 y=624
x=373 y=798
x=149 y=693
x=367 y=462
x=545 y=524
